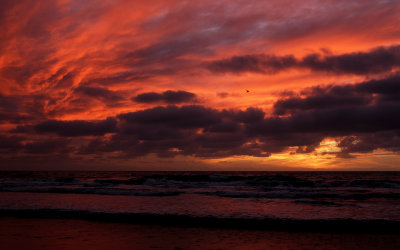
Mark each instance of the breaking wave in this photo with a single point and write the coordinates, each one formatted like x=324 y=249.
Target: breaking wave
x=316 y=225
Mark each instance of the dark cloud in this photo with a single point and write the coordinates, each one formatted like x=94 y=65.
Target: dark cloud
x=9 y=103
x=99 y=93
x=224 y=127
x=333 y=122
x=10 y=143
x=265 y=64
x=193 y=116
x=188 y=130
x=48 y=146
x=77 y=128
x=378 y=91
x=249 y=115
x=281 y=107
x=150 y=132
x=366 y=143
x=233 y=132
x=7 y=117
x=377 y=60
x=169 y=96
x=17 y=109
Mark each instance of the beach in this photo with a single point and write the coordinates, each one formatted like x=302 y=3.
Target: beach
x=54 y=233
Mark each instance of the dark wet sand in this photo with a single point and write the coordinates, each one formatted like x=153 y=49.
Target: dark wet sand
x=30 y=233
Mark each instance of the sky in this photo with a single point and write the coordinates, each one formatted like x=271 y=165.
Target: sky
x=200 y=85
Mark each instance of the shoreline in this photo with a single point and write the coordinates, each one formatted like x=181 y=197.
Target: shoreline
x=184 y=221
x=56 y=233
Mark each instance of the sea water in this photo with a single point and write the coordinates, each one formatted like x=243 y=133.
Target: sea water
x=233 y=195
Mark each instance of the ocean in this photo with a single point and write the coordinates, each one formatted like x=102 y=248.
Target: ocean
x=318 y=200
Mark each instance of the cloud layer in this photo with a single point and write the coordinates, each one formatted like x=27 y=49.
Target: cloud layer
x=377 y=60
x=363 y=117
x=169 y=96
x=84 y=80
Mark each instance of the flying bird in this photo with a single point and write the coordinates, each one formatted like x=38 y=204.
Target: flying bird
x=247 y=91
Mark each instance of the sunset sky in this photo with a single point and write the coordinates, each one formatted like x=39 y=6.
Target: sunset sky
x=200 y=85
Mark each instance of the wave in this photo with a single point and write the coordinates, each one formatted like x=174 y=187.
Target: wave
x=315 y=225
x=305 y=194
x=349 y=186
x=275 y=194
x=267 y=180
x=101 y=191
x=323 y=203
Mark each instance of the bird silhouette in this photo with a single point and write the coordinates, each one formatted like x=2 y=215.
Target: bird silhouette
x=247 y=91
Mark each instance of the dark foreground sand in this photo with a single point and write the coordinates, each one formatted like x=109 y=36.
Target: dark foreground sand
x=27 y=233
